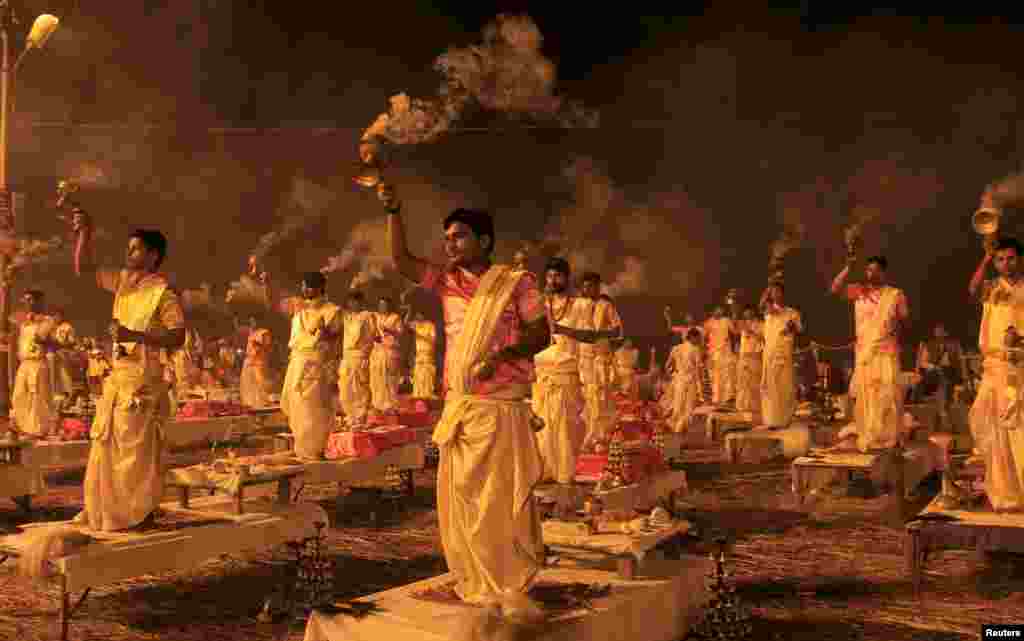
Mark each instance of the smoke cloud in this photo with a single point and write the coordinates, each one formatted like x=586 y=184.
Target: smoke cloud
x=305 y=204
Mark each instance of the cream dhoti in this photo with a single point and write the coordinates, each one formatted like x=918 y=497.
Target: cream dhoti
x=490 y=529
x=597 y=374
x=32 y=400
x=558 y=401
x=354 y=383
x=997 y=425
x=748 y=382
x=685 y=390
x=878 y=409
x=385 y=375
x=723 y=376
x=424 y=378
x=308 y=400
x=124 y=479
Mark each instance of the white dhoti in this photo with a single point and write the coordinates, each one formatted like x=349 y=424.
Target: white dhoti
x=385 y=375
x=723 y=376
x=489 y=526
x=992 y=401
x=32 y=398
x=308 y=400
x=256 y=383
x=997 y=425
x=878 y=412
x=778 y=390
x=685 y=398
x=748 y=382
x=124 y=478
x=558 y=401
x=354 y=384
x=597 y=374
x=424 y=377
x=60 y=373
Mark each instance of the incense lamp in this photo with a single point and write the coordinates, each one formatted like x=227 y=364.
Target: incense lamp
x=372 y=163
x=853 y=241
x=65 y=189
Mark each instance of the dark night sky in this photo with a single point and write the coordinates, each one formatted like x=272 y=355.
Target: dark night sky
x=725 y=110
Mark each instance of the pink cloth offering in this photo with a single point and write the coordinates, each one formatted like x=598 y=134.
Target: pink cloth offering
x=73 y=429
x=644 y=461
x=209 y=409
x=368 y=443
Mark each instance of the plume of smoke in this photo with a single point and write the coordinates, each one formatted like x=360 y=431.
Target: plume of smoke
x=305 y=204
x=882 y=189
x=1006 y=192
x=796 y=208
x=631 y=280
x=506 y=72
x=365 y=251
x=606 y=232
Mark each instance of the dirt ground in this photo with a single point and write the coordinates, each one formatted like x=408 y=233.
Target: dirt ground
x=833 y=569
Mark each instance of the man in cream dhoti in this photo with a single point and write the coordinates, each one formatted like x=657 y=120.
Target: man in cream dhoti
x=558 y=393
x=880 y=312
x=124 y=478
x=778 y=379
x=719 y=330
x=385 y=359
x=626 y=359
x=62 y=357
x=599 y=325
x=685 y=391
x=354 y=370
x=309 y=397
x=32 y=398
x=490 y=464
x=996 y=418
x=749 y=369
x=258 y=381
x=424 y=367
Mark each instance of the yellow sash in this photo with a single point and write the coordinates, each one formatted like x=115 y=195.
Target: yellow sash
x=135 y=308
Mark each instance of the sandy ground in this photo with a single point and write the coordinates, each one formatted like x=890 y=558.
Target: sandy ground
x=833 y=569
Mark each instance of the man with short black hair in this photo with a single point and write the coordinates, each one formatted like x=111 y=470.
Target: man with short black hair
x=309 y=395
x=997 y=417
x=600 y=325
x=354 y=370
x=124 y=479
x=490 y=463
x=385 y=359
x=880 y=312
x=558 y=393
x=778 y=380
x=32 y=396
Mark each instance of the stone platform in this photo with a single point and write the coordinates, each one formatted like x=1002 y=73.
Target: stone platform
x=981 y=530
x=642 y=495
x=718 y=420
x=661 y=604
x=761 y=445
x=821 y=469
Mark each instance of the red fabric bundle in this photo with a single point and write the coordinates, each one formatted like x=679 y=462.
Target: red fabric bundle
x=73 y=429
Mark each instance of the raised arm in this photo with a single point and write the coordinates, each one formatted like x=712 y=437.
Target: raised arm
x=412 y=267
x=837 y=283
x=978 y=279
x=84 y=251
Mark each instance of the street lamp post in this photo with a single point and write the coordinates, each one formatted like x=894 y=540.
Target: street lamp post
x=42 y=29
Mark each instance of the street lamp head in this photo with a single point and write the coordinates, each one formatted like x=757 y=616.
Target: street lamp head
x=42 y=29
